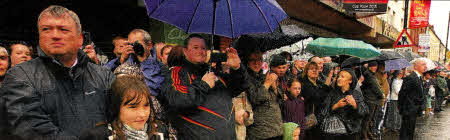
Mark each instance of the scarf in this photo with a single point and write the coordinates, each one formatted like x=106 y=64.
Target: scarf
x=131 y=133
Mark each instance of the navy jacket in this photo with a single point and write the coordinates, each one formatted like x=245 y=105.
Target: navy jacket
x=47 y=100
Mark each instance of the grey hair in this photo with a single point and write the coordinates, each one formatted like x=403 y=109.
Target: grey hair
x=417 y=60
x=3 y=49
x=147 y=38
x=59 y=11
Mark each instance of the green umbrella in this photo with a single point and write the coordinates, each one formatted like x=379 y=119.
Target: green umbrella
x=339 y=46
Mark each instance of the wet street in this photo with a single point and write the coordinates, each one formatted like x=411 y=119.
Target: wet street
x=434 y=127
x=429 y=127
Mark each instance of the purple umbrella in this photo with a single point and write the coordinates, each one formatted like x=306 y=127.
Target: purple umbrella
x=230 y=18
x=396 y=64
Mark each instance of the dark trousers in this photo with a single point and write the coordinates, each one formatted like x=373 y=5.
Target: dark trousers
x=408 y=127
x=438 y=103
x=368 y=122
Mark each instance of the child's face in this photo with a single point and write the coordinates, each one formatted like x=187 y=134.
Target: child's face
x=295 y=89
x=135 y=114
x=296 y=134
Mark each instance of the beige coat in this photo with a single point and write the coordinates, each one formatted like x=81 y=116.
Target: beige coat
x=241 y=103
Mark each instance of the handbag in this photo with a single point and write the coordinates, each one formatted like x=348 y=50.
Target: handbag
x=311 y=120
x=333 y=125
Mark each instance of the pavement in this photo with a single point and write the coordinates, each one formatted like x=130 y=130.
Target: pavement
x=434 y=127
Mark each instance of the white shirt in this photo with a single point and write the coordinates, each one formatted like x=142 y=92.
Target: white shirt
x=418 y=74
x=395 y=89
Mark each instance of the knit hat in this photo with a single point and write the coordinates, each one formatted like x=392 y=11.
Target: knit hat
x=288 y=130
x=277 y=60
x=129 y=69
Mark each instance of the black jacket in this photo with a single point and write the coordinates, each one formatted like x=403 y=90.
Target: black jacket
x=351 y=117
x=46 y=99
x=314 y=95
x=371 y=89
x=198 y=111
x=411 y=96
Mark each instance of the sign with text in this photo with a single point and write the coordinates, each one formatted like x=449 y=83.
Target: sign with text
x=366 y=6
x=419 y=13
x=424 y=42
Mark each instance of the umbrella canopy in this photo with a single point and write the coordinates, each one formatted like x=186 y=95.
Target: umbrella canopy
x=439 y=66
x=338 y=46
x=230 y=18
x=355 y=61
x=389 y=55
x=283 y=36
x=396 y=64
x=410 y=55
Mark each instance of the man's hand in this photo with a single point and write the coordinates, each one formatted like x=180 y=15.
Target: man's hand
x=233 y=59
x=90 y=51
x=210 y=79
x=126 y=51
x=270 y=79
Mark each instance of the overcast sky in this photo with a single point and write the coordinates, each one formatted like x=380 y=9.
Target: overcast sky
x=439 y=14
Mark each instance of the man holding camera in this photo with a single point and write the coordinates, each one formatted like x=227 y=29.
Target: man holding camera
x=140 y=50
x=201 y=102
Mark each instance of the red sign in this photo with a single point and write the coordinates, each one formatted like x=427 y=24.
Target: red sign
x=405 y=41
x=365 y=6
x=419 y=13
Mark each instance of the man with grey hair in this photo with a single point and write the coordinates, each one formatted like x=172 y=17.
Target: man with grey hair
x=411 y=98
x=148 y=62
x=59 y=94
x=4 y=63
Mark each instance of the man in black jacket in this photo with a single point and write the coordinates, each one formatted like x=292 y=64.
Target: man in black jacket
x=60 y=94
x=199 y=101
x=411 y=98
x=373 y=96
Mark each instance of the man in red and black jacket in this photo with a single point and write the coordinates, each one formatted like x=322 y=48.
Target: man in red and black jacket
x=200 y=102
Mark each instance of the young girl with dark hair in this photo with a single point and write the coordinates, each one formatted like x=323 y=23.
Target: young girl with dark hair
x=128 y=114
x=294 y=106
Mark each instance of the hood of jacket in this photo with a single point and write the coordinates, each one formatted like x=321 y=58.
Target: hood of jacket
x=354 y=79
x=288 y=130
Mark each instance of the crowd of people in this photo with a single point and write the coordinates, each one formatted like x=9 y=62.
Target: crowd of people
x=181 y=92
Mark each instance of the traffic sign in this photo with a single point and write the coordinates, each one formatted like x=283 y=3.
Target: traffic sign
x=405 y=41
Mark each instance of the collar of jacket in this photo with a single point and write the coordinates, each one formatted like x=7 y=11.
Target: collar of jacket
x=196 y=69
x=257 y=75
x=82 y=60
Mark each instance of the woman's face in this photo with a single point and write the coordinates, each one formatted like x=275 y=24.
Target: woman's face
x=313 y=72
x=401 y=74
x=295 y=88
x=19 y=53
x=135 y=114
x=344 y=79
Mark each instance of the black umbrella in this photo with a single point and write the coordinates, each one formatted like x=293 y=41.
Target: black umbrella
x=283 y=36
x=355 y=61
x=408 y=55
x=390 y=55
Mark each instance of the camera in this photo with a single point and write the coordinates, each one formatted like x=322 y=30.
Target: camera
x=218 y=57
x=138 y=48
